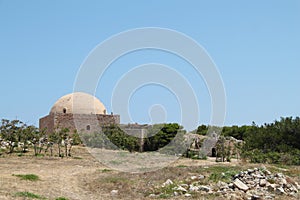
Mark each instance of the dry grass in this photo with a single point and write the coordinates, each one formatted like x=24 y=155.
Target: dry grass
x=82 y=177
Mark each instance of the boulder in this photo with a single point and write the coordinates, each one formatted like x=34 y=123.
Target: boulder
x=240 y=185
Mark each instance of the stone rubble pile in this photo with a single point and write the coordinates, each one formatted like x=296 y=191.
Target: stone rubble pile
x=253 y=184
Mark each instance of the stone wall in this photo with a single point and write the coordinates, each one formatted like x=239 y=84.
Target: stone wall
x=47 y=123
x=79 y=122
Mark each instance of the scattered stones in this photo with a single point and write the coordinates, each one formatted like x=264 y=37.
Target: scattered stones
x=252 y=184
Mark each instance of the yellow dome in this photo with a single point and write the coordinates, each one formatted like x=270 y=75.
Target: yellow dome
x=78 y=103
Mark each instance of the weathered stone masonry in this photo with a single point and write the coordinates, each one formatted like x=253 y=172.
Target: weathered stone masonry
x=79 y=122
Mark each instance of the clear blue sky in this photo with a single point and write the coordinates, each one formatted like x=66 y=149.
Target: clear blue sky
x=255 y=45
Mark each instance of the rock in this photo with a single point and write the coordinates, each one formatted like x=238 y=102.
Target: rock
x=201 y=177
x=233 y=197
x=282 y=181
x=188 y=195
x=263 y=182
x=114 y=192
x=293 y=189
x=240 y=185
x=185 y=186
x=271 y=187
x=176 y=194
x=267 y=172
x=221 y=185
x=152 y=196
x=268 y=197
x=167 y=183
x=194 y=188
x=256 y=197
x=279 y=175
x=180 y=189
x=204 y=188
x=280 y=191
x=297 y=185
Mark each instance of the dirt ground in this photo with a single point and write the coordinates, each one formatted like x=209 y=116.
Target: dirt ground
x=83 y=177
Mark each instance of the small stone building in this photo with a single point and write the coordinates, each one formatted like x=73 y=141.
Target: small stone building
x=78 y=112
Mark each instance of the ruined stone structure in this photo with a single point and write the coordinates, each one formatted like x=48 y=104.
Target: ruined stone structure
x=78 y=112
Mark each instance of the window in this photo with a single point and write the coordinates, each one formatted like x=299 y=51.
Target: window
x=64 y=110
x=88 y=127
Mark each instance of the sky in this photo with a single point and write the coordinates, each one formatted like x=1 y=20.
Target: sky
x=254 y=45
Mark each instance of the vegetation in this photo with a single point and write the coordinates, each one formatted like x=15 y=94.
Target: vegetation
x=277 y=142
x=28 y=195
x=61 y=198
x=113 y=137
x=27 y=177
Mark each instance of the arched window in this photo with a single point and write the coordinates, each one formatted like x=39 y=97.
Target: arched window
x=64 y=110
x=88 y=127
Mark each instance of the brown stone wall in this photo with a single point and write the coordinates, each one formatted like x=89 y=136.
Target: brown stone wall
x=47 y=123
x=79 y=122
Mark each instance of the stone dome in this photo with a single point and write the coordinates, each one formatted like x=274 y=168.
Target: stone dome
x=78 y=103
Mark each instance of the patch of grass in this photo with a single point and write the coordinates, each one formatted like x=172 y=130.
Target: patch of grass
x=122 y=154
x=27 y=177
x=61 y=198
x=166 y=192
x=182 y=166
x=105 y=170
x=222 y=173
x=293 y=172
x=28 y=195
x=77 y=158
x=115 y=162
